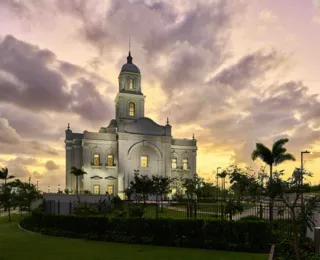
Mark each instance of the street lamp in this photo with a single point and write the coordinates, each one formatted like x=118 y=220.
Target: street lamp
x=58 y=188
x=301 y=181
x=218 y=176
x=218 y=182
x=49 y=189
x=37 y=185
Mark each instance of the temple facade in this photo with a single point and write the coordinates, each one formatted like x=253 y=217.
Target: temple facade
x=130 y=142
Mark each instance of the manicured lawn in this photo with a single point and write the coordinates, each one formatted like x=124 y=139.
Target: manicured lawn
x=18 y=244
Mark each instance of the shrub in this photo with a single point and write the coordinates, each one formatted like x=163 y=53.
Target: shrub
x=136 y=211
x=250 y=236
x=286 y=249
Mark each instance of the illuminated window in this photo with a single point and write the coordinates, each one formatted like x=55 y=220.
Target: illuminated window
x=144 y=161
x=131 y=109
x=130 y=84
x=96 y=159
x=110 y=189
x=96 y=189
x=185 y=164
x=110 y=160
x=174 y=163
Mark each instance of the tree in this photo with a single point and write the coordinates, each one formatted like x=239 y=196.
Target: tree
x=239 y=181
x=223 y=176
x=6 y=192
x=77 y=172
x=277 y=155
x=290 y=192
x=25 y=193
x=142 y=185
x=128 y=192
x=193 y=186
x=161 y=187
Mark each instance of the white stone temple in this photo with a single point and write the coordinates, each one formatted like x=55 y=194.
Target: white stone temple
x=130 y=142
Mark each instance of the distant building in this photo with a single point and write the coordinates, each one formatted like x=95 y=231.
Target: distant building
x=130 y=142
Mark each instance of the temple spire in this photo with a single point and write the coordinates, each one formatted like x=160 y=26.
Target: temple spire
x=129 y=58
x=193 y=137
x=68 y=126
x=167 y=120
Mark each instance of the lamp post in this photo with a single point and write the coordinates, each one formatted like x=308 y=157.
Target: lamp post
x=58 y=188
x=49 y=189
x=301 y=181
x=37 y=185
x=218 y=181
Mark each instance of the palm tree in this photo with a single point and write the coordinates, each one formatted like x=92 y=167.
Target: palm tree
x=223 y=177
x=275 y=156
x=4 y=172
x=77 y=172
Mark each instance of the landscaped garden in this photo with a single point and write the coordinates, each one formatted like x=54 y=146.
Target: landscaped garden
x=245 y=218
x=16 y=243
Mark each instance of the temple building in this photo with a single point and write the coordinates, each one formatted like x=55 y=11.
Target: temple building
x=130 y=142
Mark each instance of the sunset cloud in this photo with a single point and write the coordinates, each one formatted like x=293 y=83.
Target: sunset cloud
x=207 y=65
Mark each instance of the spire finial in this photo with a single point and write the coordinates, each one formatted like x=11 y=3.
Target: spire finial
x=68 y=126
x=167 y=120
x=193 y=136
x=129 y=58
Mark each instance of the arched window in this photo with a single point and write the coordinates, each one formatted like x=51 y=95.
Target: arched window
x=185 y=164
x=110 y=160
x=130 y=84
x=174 y=163
x=131 y=109
x=144 y=161
x=96 y=159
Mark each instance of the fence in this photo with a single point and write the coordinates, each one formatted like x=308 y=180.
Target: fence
x=215 y=210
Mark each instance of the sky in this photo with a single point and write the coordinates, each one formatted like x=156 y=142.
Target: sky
x=234 y=73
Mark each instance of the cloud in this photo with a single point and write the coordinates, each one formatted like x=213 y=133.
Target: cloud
x=29 y=78
x=51 y=165
x=8 y=135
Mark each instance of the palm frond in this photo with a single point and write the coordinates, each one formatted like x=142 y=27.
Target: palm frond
x=262 y=152
x=284 y=157
x=278 y=148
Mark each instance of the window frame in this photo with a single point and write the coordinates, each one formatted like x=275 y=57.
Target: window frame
x=187 y=163
x=99 y=161
x=96 y=185
x=147 y=161
x=112 y=162
x=176 y=162
x=132 y=110
x=131 y=84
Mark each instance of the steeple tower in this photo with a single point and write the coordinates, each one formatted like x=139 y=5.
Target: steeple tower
x=130 y=100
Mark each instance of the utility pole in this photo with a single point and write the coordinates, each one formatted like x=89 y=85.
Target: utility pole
x=218 y=181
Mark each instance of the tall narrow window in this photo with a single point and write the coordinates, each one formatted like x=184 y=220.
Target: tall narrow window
x=110 y=189
x=96 y=159
x=144 y=161
x=185 y=164
x=130 y=84
x=96 y=189
x=174 y=163
x=110 y=160
x=131 y=109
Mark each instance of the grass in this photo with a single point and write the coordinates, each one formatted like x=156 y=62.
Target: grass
x=18 y=244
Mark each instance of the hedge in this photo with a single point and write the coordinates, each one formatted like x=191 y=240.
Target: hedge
x=247 y=236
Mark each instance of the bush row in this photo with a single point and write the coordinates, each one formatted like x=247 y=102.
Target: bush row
x=248 y=236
